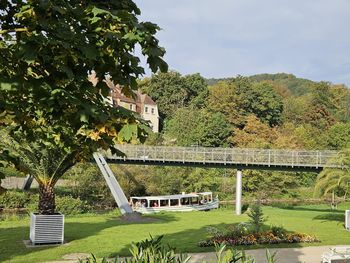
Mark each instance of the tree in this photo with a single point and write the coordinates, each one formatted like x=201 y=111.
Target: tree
x=239 y=98
x=197 y=127
x=335 y=179
x=254 y=134
x=338 y=136
x=256 y=216
x=46 y=101
x=173 y=91
x=222 y=98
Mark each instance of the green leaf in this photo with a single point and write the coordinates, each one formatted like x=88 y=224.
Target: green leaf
x=127 y=132
x=84 y=118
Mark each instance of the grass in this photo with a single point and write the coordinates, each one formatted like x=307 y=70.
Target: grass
x=106 y=234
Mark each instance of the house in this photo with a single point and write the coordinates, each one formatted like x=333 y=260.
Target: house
x=139 y=102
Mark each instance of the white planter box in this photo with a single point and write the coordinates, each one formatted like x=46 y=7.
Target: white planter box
x=46 y=229
x=347 y=219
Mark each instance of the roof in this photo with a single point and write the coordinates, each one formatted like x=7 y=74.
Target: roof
x=138 y=96
x=167 y=197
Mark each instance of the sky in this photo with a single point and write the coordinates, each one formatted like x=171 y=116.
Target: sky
x=225 y=38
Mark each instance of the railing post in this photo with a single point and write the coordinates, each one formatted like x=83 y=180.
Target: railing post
x=225 y=156
x=269 y=157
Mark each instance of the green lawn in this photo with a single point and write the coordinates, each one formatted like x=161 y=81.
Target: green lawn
x=105 y=235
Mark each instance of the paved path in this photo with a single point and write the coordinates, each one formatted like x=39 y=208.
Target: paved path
x=284 y=255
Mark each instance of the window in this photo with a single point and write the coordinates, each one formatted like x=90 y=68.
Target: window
x=146 y=109
x=152 y=110
x=130 y=106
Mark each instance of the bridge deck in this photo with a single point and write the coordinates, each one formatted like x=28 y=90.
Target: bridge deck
x=226 y=157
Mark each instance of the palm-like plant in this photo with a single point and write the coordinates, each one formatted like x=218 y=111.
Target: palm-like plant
x=44 y=162
x=331 y=179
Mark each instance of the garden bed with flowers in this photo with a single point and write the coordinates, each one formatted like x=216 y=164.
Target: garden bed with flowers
x=243 y=234
x=254 y=232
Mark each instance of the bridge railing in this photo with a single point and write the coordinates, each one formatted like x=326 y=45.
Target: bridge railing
x=239 y=156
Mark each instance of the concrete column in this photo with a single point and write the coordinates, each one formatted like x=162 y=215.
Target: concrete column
x=239 y=192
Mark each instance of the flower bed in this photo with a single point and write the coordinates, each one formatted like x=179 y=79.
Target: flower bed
x=241 y=234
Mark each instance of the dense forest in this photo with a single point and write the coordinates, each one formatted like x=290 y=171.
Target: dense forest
x=261 y=111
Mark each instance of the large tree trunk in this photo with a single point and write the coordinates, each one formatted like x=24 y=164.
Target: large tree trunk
x=46 y=200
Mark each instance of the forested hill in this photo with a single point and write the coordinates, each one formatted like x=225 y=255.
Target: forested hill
x=297 y=86
x=269 y=111
x=261 y=111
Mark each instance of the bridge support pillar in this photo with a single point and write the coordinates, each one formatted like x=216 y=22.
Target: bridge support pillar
x=239 y=192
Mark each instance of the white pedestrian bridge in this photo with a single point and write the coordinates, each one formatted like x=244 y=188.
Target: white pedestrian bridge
x=238 y=158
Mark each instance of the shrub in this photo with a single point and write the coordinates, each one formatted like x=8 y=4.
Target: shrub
x=239 y=230
x=279 y=231
x=19 y=199
x=90 y=186
x=228 y=255
x=214 y=232
x=70 y=206
x=149 y=250
x=14 y=199
x=256 y=216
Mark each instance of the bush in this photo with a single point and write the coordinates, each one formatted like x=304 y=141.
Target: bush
x=146 y=251
x=279 y=231
x=214 y=232
x=65 y=204
x=90 y=186
x=14 y=199
x=71 y=206
x=239 y=230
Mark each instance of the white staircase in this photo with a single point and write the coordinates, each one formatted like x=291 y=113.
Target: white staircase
x=113 y=184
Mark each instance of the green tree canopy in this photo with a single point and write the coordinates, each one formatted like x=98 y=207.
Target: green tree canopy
x=197 y=127
x=338 y=136
x=172 y=91
x=46 y=51
x=240 y=97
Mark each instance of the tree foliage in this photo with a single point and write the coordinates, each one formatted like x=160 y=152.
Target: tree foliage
x=190 y=126
x=46 y=99
x=239 y=98
x=265 y=111
x=173 y=91
x=335 y=179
